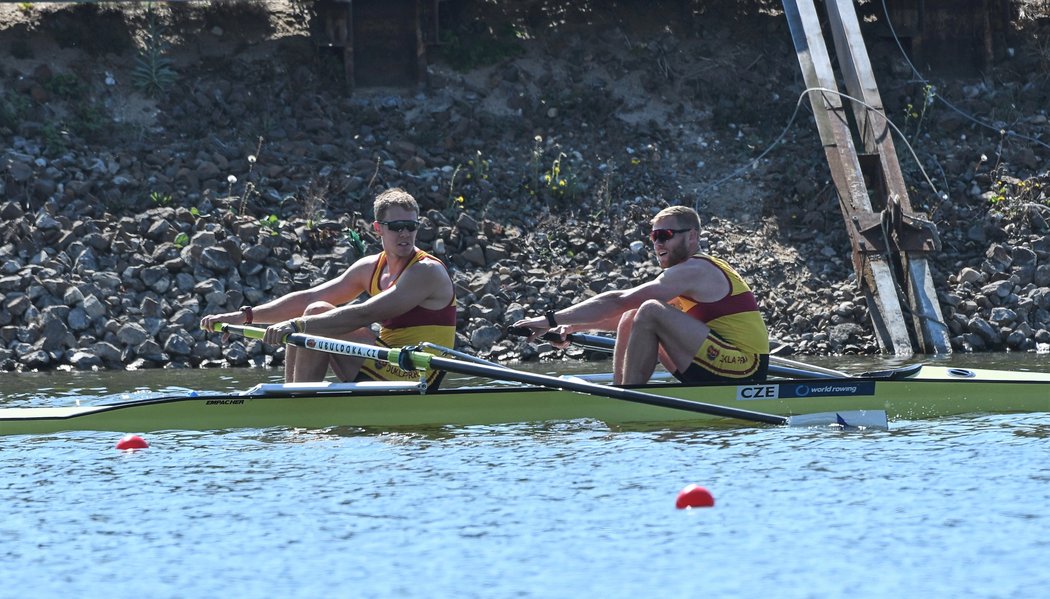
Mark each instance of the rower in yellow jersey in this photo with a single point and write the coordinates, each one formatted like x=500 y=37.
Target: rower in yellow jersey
x=698 y=317
x=410 y=295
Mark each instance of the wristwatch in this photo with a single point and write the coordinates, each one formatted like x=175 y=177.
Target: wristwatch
x=550 y=319
x=248 y=316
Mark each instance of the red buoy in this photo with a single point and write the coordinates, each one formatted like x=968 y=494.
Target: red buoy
x=694 y=496
x=132 y=442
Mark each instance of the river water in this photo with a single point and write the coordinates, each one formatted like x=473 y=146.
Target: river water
x=935 y=508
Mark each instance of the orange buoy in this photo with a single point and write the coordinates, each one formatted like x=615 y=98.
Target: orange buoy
x=694 y=496
x=132 y=442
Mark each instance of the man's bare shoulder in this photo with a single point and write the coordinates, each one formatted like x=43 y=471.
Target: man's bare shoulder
x=361 y=269
x=697 y=277
x=431 y=270
x=697 y=265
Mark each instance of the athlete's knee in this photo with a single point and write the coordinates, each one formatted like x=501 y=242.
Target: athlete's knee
x=318 y=308
x=650 y=311
x=627 y=318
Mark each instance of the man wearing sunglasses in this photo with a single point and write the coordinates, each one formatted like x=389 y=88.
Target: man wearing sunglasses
x=409 y=293
x=698 y=317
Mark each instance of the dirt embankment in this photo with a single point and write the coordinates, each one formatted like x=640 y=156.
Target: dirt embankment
x=146 y=188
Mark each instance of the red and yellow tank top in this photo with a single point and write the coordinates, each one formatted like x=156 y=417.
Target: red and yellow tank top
x=418 y=324
x=735 y=317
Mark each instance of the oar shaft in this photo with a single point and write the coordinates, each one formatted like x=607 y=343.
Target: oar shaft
x=632 y=395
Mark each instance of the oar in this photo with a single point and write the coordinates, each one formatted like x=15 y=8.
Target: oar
x=777 y=365
x=410 y=359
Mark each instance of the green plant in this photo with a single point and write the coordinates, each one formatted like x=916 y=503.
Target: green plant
x=455 y=200
x=26 y=8
x=13 y=109
x=1012 y=193
x=159 y=199
x=559 y=179
x=929 y=93
x=355 y=240
x=181 y=240
x=55 y=138
x=249 y=187
x=272 y=223
x=535 y=158
x=479 y=168
x=89 y=119
x=65 y=85
x=153 y=73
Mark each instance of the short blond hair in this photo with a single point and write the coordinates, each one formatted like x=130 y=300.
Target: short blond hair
x=395 y=196
x=686 y=217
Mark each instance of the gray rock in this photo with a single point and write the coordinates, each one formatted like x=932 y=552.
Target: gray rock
x=132 y=334
x=1002 y=316
x=236 y=354
x=93 y=307
x=969 y=275
x=107 y=352
x=78 y=319
x=151 y=308
x=178 y=345
x=988 y=334
x=1041 y=276
x=36 y=360
x=484 y=336
x=54 y=334
x=85 y=360
x=46 y=222
x=150 y=350
x=999 y=289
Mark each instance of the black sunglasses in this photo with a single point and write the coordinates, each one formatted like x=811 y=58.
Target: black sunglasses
x=665 y=234
x=400 y=225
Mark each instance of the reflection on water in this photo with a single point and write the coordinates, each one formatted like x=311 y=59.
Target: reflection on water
x=67 y=388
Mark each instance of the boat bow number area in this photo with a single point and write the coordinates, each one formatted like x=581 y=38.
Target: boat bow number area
x=805 y=389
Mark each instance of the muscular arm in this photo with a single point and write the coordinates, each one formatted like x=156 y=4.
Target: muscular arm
x=423 y=284
x=698 y=279
x=340 y=290
x=602 y=311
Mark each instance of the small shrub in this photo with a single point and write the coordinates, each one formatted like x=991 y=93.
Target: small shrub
x=153 y=73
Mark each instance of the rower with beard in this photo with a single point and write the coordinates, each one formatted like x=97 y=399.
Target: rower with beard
x=409 y=294
x=698 y=317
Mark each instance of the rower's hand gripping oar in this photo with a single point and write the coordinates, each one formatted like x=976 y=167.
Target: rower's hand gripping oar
x=409 y=359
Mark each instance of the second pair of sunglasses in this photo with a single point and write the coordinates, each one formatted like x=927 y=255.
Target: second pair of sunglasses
x=400 y=225
x=662 y=235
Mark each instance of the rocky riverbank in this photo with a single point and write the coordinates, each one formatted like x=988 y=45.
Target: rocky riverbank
x=127 y=216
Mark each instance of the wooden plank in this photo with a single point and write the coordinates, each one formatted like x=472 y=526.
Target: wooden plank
x=873 y=271
x=877 y=138
x=876 y=133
